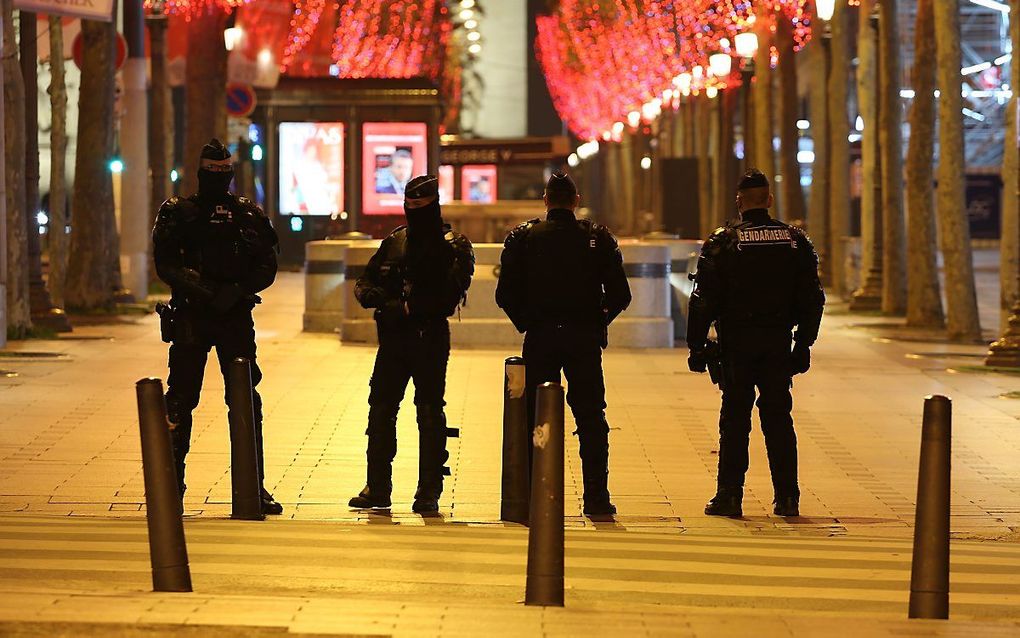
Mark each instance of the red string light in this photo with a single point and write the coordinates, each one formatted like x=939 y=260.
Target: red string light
x=189 y=9
x=303 y=25
x=604 y=60
x=391 y=38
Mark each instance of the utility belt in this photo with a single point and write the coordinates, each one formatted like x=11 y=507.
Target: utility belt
x=177 y=320
x=762 y=319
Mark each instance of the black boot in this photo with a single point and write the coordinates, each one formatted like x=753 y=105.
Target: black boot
x=180 y=440
x=269 y=504
x=726 y=502
x=594 y=447
x=382 y=447
x=432 y=457
x=787 y=506
x=367 y=499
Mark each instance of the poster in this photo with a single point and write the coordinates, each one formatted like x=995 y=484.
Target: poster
x=311 y=168
x=392 y=153
x=478 y=183
x=445 y=183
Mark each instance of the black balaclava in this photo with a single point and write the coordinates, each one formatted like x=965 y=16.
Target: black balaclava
x=423 y=222
x=562 y=185
x=214 y=185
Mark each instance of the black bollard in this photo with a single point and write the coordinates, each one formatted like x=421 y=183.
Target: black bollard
x=545 y=534
x=245 y=487
x=929 y=573
x=516 y=452
x=168 y=552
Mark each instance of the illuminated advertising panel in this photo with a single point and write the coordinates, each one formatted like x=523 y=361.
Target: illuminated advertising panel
x=478 y=183
x=445 y=183
x=311 y=168
x=392 y=153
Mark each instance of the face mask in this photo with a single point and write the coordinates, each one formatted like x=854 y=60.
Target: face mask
x=214 y=183
x=428 y=217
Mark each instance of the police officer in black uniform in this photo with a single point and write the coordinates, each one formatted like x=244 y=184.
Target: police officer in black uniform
x=415 y=281
x=757 y=279
x=562 y=283
x=216 y=251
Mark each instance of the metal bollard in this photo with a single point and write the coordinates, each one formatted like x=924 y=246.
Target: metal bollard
x=168 y=552
x=545 y=534
x=929 y=573
x=516 y=470
x=245 y=487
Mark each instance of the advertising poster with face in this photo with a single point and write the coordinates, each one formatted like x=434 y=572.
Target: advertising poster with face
x=392 y=153
x=478 y=183
x=311 y=168
x=445 y=183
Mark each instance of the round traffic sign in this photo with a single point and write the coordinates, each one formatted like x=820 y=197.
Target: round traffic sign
x=78 y=50
x=240 y=99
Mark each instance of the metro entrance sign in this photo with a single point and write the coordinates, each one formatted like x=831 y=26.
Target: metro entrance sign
x=101 y=10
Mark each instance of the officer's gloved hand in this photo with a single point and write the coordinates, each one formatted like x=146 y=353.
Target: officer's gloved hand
x=697 y=361
x=226 y=297
x=800 y=359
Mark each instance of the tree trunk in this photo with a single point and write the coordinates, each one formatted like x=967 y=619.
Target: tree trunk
x=723 y=200
x=894 y=293
x=789 y=113
x=91 y=280
x=961 y=296
x=58 y=154
x=818 y=210
x=161 y=124
x=702 y=108
x=839 y=149
x=869 y=295
x=924 y=301
x=764 y=155
x=19 y=321
x=1009 y=244
x=205 y=109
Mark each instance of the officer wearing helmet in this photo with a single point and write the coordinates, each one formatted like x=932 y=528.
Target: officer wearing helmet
x=757 y=280
x=216 y=251
x=562 y=283
x=415 y=281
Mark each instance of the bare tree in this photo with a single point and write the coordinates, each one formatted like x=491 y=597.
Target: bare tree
x=703 y=136
x=58 y=153
x=1009 y=245
x=954 y=231
x=890 y=116
x=924 y=301
x=91 y=279
x=19 y=320
x=839 y=148
x=869 y=295
x=818 y=204
x=764 y=155
x=205 y=108
x=789 y=113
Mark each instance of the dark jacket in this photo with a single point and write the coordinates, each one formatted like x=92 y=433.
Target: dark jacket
x=756 y=272
x=561 y=270
x=201 y=250
x=432 y=286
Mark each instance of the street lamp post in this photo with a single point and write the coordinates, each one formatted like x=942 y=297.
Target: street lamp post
x=869 y=296
x=746 y=45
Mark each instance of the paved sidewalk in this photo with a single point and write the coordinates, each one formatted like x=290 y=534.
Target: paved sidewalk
x=69 y=446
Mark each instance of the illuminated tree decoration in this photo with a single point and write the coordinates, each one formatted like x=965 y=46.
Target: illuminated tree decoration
x=613 y=61
x=391 y=38
x=189 y=9
x=303 y=25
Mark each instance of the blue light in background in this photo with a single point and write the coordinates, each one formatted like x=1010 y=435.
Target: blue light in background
x=296 y=224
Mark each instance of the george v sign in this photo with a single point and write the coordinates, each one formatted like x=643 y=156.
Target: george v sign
x=87 y=9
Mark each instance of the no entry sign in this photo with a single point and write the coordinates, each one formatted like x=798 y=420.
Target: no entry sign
x=78 y=50
x=240 y=100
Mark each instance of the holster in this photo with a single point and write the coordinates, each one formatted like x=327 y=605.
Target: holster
x=166 y=321
x=713 y=359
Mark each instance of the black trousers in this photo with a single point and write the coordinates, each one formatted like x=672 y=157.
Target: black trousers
x=417 y=351
x=757 y=359
x=577 y=351
x=195 y=334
